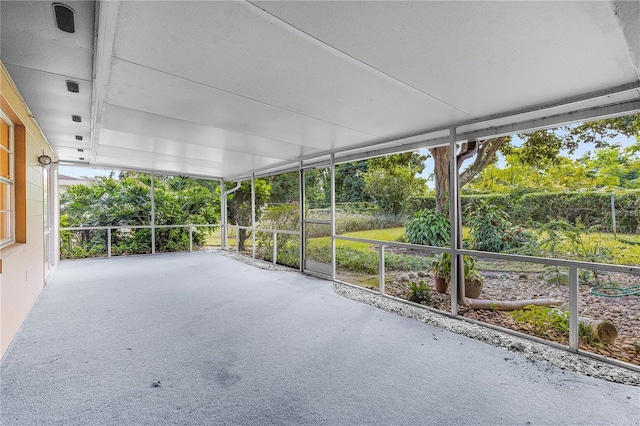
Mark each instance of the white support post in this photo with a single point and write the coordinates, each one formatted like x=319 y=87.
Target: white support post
x=253 y=215
x=223 y=217
x=275 y=247
x=153 y=214
x=237 y=238
x=109 y=242
x=453 y=219
x=302 y=206
x=382 y=269
x=573 y=308
x=333 y=216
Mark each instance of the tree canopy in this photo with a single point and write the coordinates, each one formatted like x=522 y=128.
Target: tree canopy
x=127 y=202
x=540 y=150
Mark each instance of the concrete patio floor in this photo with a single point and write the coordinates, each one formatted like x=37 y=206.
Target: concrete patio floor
x=233 y=344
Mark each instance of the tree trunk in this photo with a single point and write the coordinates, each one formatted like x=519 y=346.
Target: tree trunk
x=242 y=237
x=441 y=172
x=485 y=156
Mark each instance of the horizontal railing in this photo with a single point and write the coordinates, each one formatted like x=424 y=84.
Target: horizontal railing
x=109 y=228
x=573 y=265
x=274 y=232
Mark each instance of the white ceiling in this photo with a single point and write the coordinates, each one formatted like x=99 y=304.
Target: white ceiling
x=224 y=89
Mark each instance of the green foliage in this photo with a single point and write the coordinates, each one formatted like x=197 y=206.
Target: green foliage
x=393 y=180
x=317 y=190
x=556 y=275
x=350 y=182
x=127 y=202
x=366 y=261
x=354 y=222
x=284 y=217
x=240 y=209
x=492 y=230
x=579 y=238
x=441 y=267
x=588 y=207
x=544 y=321
x=420 y=293
x=428 y=228
x=470 y=269
x=538 y=318
x=529 y=207
x=285 y=188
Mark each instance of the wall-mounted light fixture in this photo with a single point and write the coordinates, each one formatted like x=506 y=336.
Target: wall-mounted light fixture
x=78 y=137
x=76 y=118
x=44 y=160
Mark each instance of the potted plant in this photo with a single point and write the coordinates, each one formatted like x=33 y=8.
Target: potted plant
x=473 y=281
x=441 y=268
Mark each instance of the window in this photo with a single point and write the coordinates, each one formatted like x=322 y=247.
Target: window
x=7 y=235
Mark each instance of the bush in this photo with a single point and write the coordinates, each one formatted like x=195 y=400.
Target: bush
x=420 y=293
x=529 y=207
x=367 y=262
x=284 y=217
x=428 y=228
x=356 y=222
x=491 y=230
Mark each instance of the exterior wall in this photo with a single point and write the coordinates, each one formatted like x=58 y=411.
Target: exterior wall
x=22 y=265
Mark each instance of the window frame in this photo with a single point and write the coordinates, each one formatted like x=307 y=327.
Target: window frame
x=10 y=222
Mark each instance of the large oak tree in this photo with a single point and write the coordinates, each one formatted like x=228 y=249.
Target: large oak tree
x=539 y=149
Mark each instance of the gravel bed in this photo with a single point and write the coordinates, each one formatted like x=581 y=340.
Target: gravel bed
x=532 y=350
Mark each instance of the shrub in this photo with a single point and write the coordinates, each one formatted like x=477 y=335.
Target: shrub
x=420 y=293
x=528 y=206
x=284 y=217
x=367 y=262
x=492 y=230
x=544 y=321
x=356 y=222
x=578 y=239
x=428 y=228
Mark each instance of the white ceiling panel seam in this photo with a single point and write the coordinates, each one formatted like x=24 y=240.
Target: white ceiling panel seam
x=108 y=125
x=154 y=145
x=65 y=76
x=371 y=67
x=244 y=97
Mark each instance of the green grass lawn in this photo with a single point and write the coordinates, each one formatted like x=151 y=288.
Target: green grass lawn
x=389 y=234
x=623 y=253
